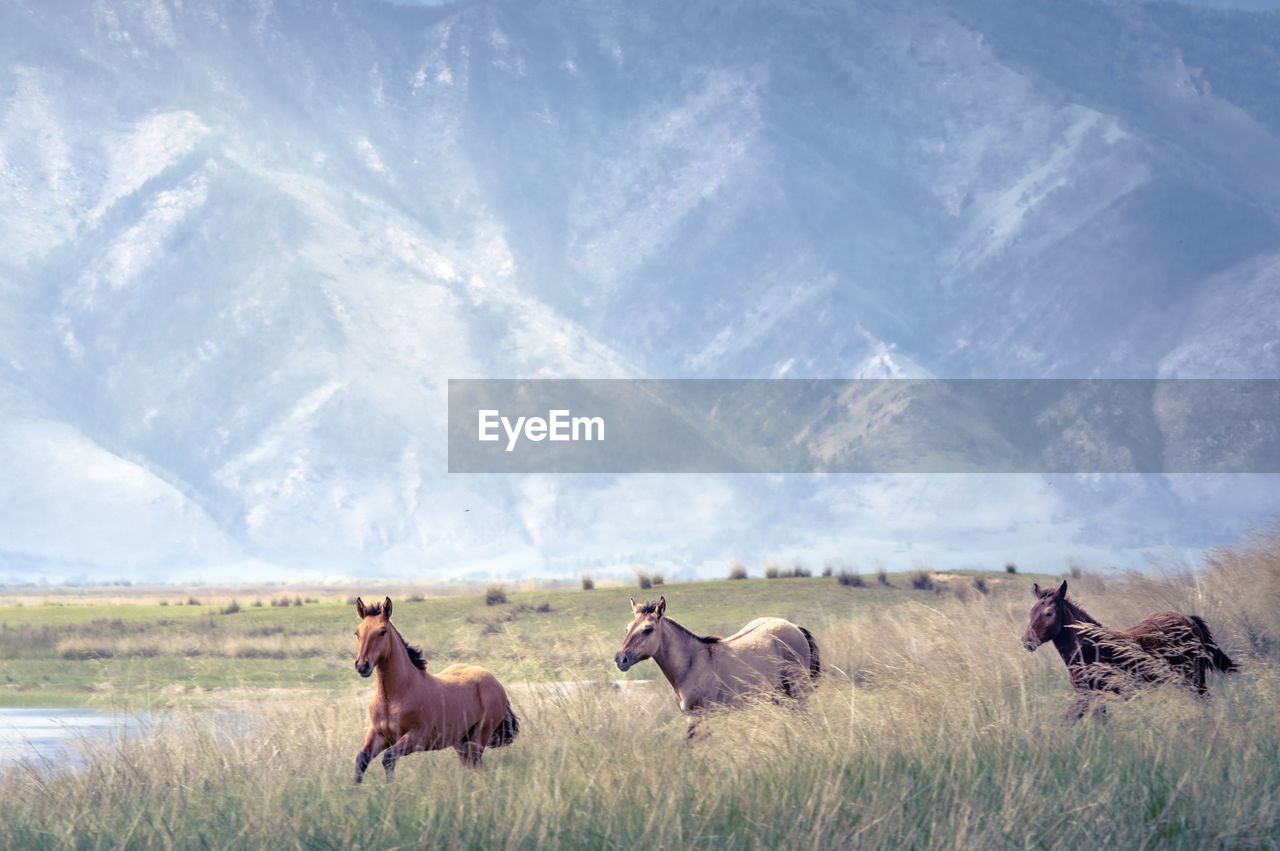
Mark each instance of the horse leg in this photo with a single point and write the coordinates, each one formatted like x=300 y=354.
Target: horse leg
x=1202 y=674
x=373 y=745
x=469 y=753
x=692 y=732
x=400 y=748
x=472 y=746
x=1082 y=706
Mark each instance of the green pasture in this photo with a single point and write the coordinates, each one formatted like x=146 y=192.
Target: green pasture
x=135 y=655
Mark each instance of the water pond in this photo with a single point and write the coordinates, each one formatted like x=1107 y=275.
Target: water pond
x=51 y=737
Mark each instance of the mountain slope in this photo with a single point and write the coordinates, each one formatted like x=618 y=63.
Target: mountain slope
x=245 y=244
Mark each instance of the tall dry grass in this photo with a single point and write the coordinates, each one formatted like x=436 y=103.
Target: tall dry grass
x=933 y=728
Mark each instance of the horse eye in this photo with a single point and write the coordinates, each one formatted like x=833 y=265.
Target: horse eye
x=382 y=631
x=648 y=629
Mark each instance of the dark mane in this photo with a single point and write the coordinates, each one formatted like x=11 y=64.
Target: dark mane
x=415 y=653
x=1078 y=614
x=705 y=639
x=651 y=606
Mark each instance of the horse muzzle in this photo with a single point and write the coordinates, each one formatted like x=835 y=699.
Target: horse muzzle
x=1031 y=641
x=623 y=660
x=364 y=669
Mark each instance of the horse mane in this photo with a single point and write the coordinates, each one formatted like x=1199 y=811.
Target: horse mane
x=415 y=653
x=705 y=639
x=651 y=606
x=1073 y=609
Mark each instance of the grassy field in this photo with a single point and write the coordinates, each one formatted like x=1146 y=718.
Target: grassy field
x=201 y=647
x=933 y=728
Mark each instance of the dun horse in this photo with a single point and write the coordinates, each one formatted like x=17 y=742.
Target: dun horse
x=464 y=708
x=768 y=656
x=1167 y=647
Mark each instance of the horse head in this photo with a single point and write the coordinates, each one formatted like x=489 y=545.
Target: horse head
x=642 y=639
x=1046 y=615
x=373 y=635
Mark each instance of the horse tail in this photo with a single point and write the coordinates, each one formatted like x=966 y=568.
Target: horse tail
x=1217 y=658
x=506 y=731
x=815 y=661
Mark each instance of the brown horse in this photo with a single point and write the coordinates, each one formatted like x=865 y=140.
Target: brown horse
x=1167 y=647
x=465 y=708
x=769 y=656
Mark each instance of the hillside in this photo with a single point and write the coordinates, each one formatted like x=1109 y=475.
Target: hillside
x=245 y=245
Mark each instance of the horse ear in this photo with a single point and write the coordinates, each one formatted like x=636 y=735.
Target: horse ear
x=1035 y=590
x=360 y=608
x=635 y=607
x=662 y=606
x=1061 y=593
x=386 y=608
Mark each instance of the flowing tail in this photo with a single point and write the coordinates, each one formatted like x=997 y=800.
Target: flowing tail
x=506 y=731
x=815 y=662
x=1217 y=658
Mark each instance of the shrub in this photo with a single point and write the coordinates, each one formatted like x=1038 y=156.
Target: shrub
x=883 y=578
x=850 y=580
x=231 y=608
x=260 y=653
x=645 y=581
x=800 y=571
x=980 y=585
x=828 y=569
x=1010 y=568
x=922 y=580
x=494 y=595
x=771 y=571
x=657 y=579
x=737 y=570
x=587 y=582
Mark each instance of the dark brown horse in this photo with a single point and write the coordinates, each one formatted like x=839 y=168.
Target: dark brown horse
x=464 y=708
x=1167 y=647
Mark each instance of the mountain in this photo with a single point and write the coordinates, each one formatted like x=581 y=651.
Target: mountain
x=247 y=243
